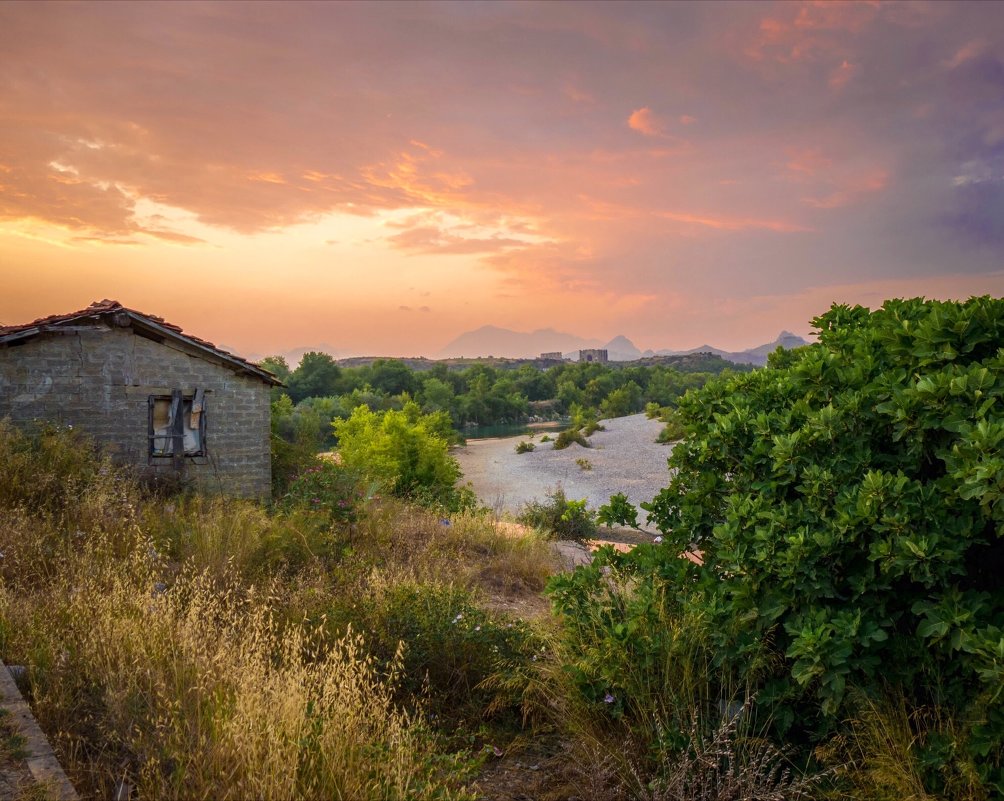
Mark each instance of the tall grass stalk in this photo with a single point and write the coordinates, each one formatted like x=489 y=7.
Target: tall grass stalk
x=198 y=692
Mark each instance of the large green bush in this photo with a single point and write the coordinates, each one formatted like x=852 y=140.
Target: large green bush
x=848 y=502
x=407 y=451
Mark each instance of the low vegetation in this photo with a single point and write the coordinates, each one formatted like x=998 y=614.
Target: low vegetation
x=281 y=650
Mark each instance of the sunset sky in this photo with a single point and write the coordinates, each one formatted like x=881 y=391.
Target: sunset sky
x=376 y=178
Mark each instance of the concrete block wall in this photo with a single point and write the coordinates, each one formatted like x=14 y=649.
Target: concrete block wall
x=100 y=379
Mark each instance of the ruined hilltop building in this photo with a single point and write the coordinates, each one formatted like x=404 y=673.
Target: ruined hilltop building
x=593 y=355
x=154 y=397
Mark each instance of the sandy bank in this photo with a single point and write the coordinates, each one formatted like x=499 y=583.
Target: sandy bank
x=624 y=458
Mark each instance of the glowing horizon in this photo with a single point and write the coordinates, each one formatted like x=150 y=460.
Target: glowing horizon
x=379 y=178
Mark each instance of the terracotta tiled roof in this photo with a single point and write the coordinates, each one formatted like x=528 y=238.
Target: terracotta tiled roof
x=106 y=307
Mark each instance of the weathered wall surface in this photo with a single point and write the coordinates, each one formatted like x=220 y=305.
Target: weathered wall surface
x=99 y=379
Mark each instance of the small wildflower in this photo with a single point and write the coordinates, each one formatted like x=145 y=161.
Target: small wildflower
x=657 y=539
x=608 y=699
x=496 y=750
x=444 y=522
x=477 y=628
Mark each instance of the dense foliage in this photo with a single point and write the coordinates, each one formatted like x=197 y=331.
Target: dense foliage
x=848 y=503
x=319 y=391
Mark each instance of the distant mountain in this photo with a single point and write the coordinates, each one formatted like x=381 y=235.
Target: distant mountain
x=622 y=349
x=490 y=340
x=757 y=355
x=785 y=339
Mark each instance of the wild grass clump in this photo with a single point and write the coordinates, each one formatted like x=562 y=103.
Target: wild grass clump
x=892 y=750
x=196 y=690
x=525 y=446
x=723 y=762
x=178 y=644
x=472 y=549
x=453 y=644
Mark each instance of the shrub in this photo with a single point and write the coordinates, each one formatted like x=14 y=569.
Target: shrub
x=546 y=438
x=848 y=503
x=584 y=464
x=524 y=447
x=592 y=427
x=566 y=438
x=334 y=489
x=563 y=518
x=294 y=444
x=406 y=451
x=674 y=429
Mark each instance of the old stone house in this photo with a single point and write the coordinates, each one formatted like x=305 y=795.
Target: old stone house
x=151 y=395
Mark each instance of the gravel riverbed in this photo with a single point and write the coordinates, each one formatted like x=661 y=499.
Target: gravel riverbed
x=624 y=458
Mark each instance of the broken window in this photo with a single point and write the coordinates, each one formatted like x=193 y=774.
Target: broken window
x=178 y=424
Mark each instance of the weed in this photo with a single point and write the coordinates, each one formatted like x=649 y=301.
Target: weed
x=584 y=463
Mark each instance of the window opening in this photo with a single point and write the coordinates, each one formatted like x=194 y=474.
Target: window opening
x=177 y=425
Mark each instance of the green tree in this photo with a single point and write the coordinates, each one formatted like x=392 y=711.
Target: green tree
x=315 y=377
x=277 y=366
x=393 y=377
x=437 y=395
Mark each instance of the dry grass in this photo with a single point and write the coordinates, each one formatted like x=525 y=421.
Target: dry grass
x=198 y=691
x=471 y=549
x=724 y=764
x=181 y=646
x=878 y=755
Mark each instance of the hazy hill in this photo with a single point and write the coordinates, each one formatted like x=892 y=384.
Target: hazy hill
x=757 y=355
x=490 y=340
x=622 y=349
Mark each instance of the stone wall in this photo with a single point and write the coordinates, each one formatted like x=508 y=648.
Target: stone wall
x=100 y=379
x=593 y=355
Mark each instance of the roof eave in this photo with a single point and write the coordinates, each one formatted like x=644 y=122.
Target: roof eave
x=240 y=364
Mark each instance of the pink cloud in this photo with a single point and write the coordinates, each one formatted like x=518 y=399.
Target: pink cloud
x=645 y=122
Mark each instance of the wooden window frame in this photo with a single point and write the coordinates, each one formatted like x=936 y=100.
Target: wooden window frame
x=196 y=402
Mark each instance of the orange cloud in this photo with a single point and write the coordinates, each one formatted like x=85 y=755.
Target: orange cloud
x=645 y=122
